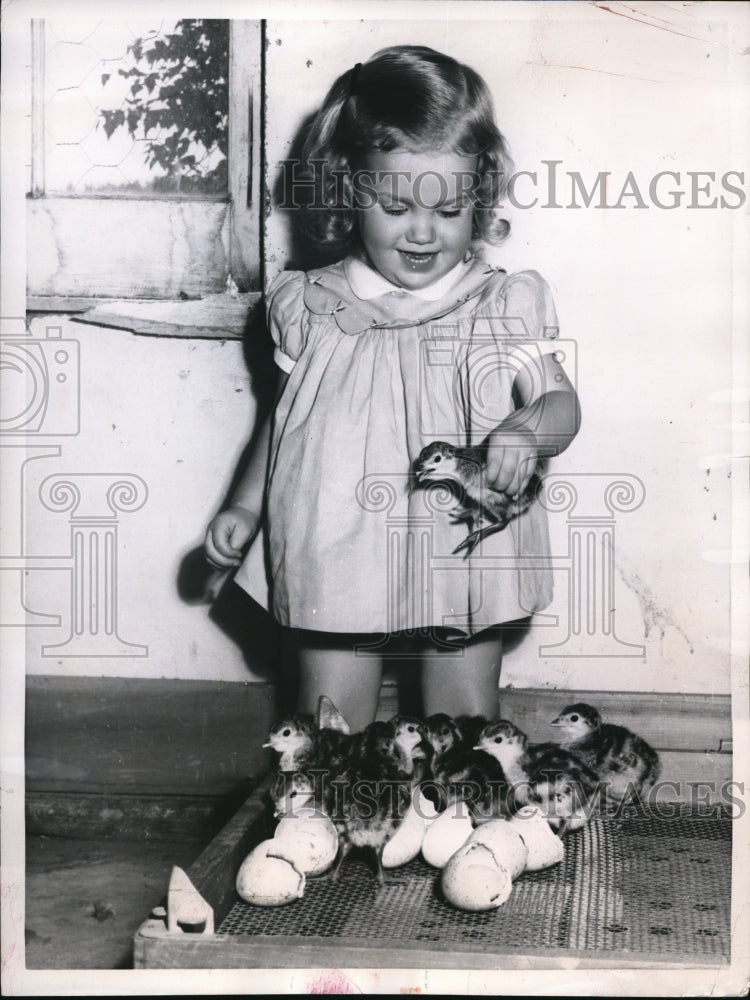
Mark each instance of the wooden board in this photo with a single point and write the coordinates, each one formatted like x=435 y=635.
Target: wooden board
x=96 y=244
x=165 y=817
x=119 y=735
x=214 y=317
x=668 y=720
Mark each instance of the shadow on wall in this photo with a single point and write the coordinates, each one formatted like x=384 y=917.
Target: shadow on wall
x=304 y=253
x=239 y=617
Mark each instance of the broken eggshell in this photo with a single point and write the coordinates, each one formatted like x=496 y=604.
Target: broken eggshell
x=474 y=880
x=308 y=839
x=446 y=834
x=406 y=842
x=265 y=879
x=505 y=842
x=544 y=846
x=480 y=875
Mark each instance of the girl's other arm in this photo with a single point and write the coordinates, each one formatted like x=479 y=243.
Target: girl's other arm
x=544 y=424
x=232 y=529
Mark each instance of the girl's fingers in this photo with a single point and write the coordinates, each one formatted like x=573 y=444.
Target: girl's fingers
x=513 y=472
x=506 y=471
x=219 y=551
x=525 y=472
x=239 y=536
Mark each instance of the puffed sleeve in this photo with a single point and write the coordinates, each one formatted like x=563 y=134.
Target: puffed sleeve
x=529 y=308
x=519 y=316
x=288 y=320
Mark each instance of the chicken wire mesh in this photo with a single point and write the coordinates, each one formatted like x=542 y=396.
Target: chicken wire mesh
x=641 y=884
x=130 y=106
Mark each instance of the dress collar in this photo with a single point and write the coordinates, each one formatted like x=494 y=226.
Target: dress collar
x=328 y=292
x=367 y=283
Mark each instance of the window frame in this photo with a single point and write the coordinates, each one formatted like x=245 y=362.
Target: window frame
x=86 y=250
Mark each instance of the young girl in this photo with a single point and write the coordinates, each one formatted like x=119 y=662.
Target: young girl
x=409 y=339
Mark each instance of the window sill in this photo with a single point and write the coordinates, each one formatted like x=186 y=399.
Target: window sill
x=214 y=317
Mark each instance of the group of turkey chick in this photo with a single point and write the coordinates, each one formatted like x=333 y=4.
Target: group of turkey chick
x=365 y=782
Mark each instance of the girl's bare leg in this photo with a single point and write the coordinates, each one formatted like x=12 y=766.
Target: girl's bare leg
x=464 y=684
x=329 y=665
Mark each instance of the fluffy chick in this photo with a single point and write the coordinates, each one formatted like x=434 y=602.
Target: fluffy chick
x=411 y=735
x=466 y=469
x=306 y=758
x=465 y=774
x=368 y=801
x=625 y=764
x=442 y=734
x=544 y=775
x=293 y=739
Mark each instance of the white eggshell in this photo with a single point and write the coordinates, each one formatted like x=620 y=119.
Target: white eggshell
x=308 y=839
x=505 y=842
x=446 y=834
x=544 y=846
x=406 y=842
x=266 y=880
x=473 y=880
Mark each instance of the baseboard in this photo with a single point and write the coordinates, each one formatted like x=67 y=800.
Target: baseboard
x=114 y=735
x=167 y=817
x=124 y=756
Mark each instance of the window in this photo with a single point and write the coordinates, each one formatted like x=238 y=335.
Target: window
x=144 y=167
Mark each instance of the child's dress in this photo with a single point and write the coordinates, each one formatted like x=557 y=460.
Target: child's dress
x=349 y=544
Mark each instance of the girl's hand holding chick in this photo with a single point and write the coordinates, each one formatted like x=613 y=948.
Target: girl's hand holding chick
x=228 y=535
x=512 y=457
x=544 y=424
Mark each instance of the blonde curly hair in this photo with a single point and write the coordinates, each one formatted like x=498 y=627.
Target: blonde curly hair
x=405 y=97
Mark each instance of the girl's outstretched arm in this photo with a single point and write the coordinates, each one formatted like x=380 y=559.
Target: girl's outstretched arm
x=232 y=529
x=544 y=424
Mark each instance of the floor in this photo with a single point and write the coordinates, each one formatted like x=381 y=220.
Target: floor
x=85 y=898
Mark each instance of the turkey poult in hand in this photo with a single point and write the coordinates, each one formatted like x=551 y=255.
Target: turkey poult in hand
x=466 y=468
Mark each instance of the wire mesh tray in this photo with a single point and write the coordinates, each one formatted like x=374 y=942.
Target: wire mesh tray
x=632 y=889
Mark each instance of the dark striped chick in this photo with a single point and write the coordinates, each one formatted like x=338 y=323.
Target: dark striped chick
x=465 y=774
x=543 y=774
x=335 y=744
x=368 y=801
x=412 y=740
x=442 y=734
x=625 y=764
x=314 y=756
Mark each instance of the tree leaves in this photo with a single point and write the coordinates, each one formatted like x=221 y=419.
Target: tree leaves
x=177 y=102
